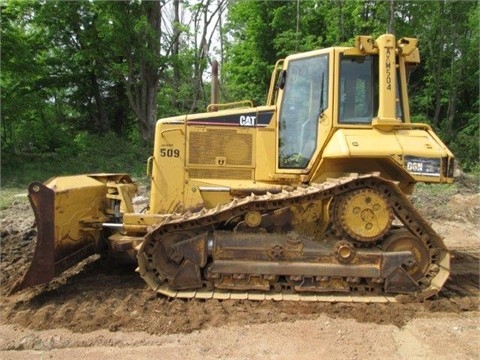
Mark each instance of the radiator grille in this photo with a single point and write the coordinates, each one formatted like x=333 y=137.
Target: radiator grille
x=206 y=147
x=243 y=174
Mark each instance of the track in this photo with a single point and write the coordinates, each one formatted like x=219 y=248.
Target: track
x=98 y=295
x=197 y=223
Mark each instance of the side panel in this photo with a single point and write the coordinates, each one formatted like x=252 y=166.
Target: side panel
x=266 y=144
x=222 y=153
x=168 y=171
x=407 y=155
x=217 y=155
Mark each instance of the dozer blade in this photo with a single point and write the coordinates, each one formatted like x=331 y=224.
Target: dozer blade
x=69 y=212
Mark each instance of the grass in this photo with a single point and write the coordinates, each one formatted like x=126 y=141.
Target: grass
x=437 y=189
x=9 y=195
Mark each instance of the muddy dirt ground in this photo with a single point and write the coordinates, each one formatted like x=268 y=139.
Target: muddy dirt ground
x=100 y=310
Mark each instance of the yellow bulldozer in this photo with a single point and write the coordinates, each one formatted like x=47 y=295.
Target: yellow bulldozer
x=303 y=198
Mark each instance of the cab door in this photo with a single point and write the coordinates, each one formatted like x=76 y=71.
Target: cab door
x=304 y=102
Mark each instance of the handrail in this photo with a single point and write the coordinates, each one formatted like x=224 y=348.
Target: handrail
x=237 y=104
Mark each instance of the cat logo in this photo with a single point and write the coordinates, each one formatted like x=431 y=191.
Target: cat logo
x=247 y=120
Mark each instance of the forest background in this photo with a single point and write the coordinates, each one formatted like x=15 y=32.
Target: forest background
x=83 y=82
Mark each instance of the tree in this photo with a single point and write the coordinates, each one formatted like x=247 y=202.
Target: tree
x=90 y=60
x=32 y=106
x=205 y=18
x=133 y=32
x=251 y=54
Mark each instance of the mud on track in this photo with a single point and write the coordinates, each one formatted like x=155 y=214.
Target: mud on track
x=98 y=295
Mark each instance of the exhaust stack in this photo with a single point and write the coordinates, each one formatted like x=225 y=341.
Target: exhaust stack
x=214 y=91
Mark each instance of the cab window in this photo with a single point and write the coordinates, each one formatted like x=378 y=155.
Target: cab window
x=305 y=97
x=358 y=98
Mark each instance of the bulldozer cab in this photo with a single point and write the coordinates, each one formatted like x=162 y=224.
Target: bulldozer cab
x=328 y=112
x=333 y=88
x=327 y=96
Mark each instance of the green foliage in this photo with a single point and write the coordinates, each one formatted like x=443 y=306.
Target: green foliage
x=84 y=153
x=251 y=56
x=466 y=145
x=437 y=190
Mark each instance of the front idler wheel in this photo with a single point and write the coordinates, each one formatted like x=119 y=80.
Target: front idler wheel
x=403 y=240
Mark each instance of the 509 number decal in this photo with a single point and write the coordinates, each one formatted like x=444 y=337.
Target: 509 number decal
x=169 y=152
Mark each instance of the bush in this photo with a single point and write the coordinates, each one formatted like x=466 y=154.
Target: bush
x=85 y=154
x=466 y=148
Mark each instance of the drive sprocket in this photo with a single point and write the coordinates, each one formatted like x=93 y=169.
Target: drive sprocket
x=363 y=214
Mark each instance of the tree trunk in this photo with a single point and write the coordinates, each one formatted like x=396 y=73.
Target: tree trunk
x=101 y=123
x=201 y=50
x=144 y=72
x=438 y=70
x=175 y=53
x=438 y=94
x=121 y=110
